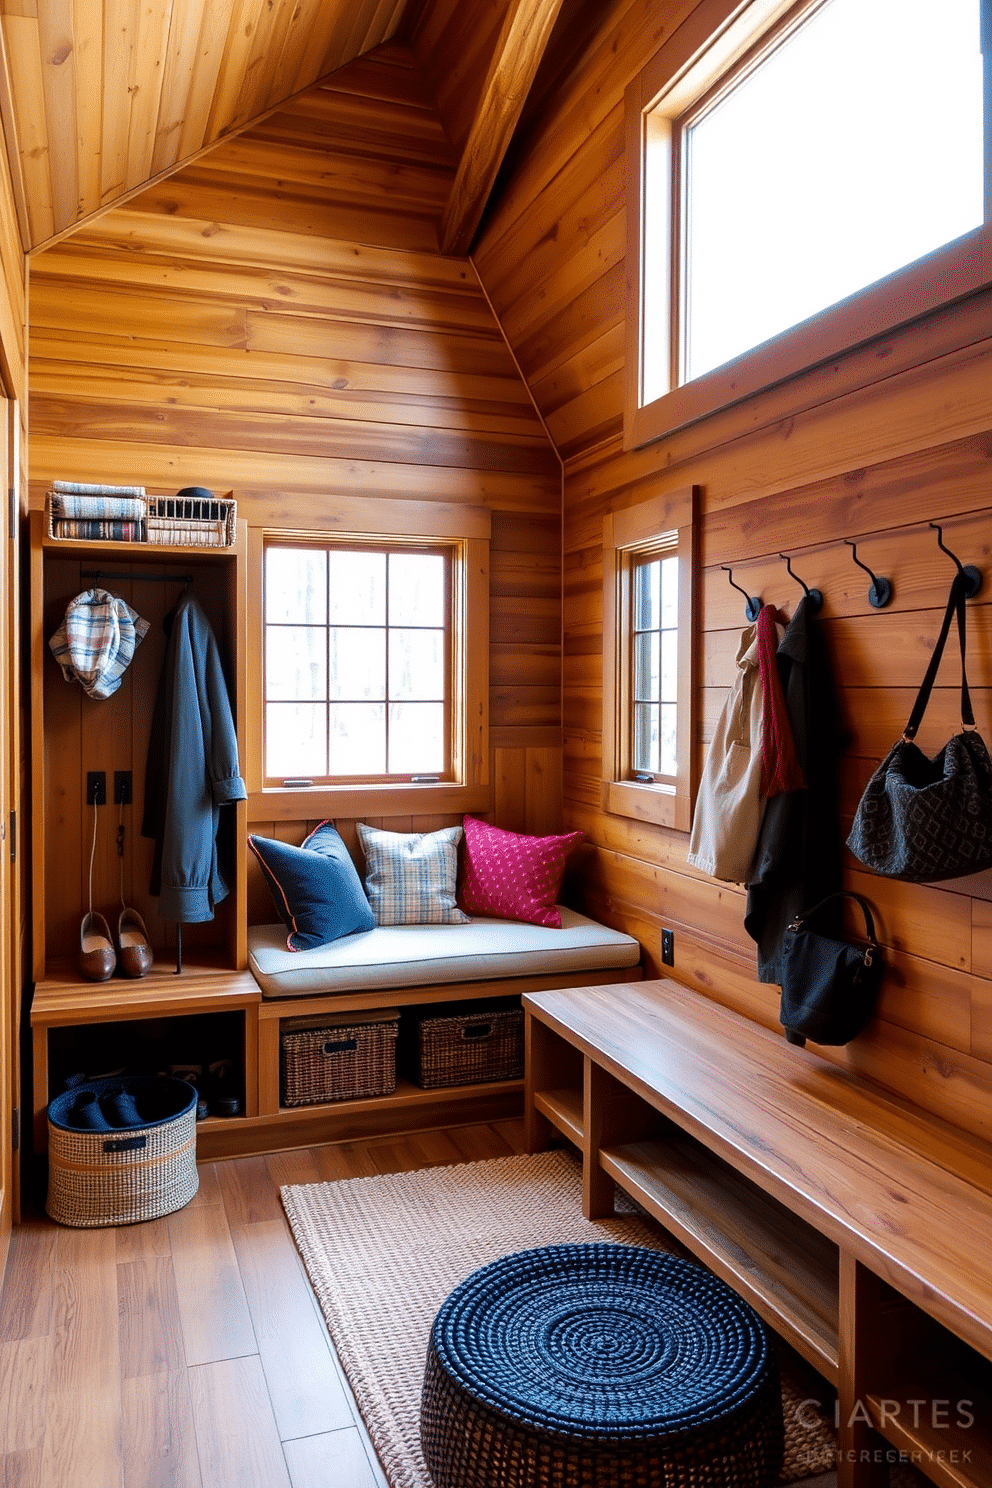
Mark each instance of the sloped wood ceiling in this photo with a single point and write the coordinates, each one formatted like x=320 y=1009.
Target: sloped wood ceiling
x=104 y=95
x=99 y=98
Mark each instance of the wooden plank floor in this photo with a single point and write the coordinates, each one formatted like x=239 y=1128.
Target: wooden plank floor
x=189 y=1352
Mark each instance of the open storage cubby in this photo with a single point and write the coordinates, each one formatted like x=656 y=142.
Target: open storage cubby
x=406 y=1108
x=855 y=1225
x=159 y=1008
x=929 y=1394
x=73 y=735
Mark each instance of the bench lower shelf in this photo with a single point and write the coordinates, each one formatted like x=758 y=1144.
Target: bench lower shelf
x=783 y=1267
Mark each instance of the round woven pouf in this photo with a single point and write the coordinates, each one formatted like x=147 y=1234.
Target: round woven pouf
x=599 y=1366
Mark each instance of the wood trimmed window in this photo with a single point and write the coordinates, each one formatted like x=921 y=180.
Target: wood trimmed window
x=649 y=564
x=721 y=41
x=361 y=669
x=357 y=663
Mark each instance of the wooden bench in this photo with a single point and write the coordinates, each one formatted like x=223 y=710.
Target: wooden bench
x=392 y=966
x=858 y=1226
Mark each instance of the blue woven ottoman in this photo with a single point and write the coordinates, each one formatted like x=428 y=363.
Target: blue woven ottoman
x=599 y=1366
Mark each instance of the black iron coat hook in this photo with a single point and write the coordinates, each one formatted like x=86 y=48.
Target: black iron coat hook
x=973 y=575
x=881 y=589
x=813 y=595
x=752 y=608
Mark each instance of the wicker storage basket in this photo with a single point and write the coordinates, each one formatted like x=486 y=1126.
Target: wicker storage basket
x=191 y=522
x=466 y=1047
x=350 y=1059
x=129 y=1173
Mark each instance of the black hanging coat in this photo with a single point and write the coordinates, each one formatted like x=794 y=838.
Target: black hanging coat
x=798 y=859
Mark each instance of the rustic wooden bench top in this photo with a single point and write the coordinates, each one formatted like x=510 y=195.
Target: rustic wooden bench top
x=906 y=1195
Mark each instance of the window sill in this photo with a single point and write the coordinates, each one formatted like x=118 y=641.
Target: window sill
x=651 y=803
x=306 y=803
x=960 y=269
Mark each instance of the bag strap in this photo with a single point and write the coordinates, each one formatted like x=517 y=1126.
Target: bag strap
x=807 y=914
x=955 y=602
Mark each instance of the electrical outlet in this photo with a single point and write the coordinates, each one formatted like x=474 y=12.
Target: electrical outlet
x=122 y=787
x=668 y=947
x=96 y=788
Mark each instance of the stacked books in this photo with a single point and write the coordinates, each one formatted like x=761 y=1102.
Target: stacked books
x=97 y=512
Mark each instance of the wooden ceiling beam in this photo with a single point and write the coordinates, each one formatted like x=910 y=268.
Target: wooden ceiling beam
x=523 y=37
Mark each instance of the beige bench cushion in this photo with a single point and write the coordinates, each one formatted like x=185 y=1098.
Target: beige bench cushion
x=415 y=955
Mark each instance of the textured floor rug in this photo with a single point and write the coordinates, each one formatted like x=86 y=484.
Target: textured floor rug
x=383 y=1253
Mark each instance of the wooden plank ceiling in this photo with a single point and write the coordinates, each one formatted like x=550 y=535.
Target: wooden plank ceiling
x=100 y=97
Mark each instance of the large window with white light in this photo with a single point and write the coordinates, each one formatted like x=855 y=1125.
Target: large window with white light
x=358 y=655
x=808 y=177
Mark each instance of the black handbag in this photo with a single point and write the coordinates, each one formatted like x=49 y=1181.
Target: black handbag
x=926 y=819
x=829 y=986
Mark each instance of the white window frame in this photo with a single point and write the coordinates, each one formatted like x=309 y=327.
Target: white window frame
x=712 y=40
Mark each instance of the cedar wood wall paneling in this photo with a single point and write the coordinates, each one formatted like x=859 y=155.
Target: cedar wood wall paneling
x=871 y=447
x=276 y=321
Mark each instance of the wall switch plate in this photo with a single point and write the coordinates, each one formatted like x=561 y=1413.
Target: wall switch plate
x=96 y=787
x=668 y=947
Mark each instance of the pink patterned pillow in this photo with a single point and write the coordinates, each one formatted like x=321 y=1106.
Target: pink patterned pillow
x=510 y=876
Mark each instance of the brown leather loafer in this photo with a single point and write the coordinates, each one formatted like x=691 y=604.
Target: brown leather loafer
x=96 y=949
x=134 y=953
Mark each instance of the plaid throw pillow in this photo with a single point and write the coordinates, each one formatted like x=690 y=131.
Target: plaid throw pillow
x=410 y=878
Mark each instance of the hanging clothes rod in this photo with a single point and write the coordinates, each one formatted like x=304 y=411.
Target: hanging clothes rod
x=149 y=578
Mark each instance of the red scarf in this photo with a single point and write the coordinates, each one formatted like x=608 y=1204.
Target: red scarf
x=780 y=768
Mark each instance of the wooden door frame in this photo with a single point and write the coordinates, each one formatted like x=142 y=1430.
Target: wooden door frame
x=12 y=788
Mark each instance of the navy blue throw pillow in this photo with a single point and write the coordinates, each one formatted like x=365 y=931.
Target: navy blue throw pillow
x=315 y=888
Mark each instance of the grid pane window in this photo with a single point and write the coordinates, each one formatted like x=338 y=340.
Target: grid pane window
x=654 y=664
x=357 y=662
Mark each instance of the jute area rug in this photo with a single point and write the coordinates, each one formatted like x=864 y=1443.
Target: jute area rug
x=383 y=1253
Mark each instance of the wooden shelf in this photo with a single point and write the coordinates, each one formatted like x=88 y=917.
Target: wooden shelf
x=952 y=1455
x=405 y=1094
x=563 y=1108
x=106 y=551
x=785 y=1269
x=64 y=1002
x=930 y=1396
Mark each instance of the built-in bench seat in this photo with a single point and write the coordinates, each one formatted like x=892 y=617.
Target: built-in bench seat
x=431 y=955
x=856 y=1223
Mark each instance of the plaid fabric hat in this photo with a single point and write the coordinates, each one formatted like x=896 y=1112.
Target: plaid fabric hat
x=96 y=641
